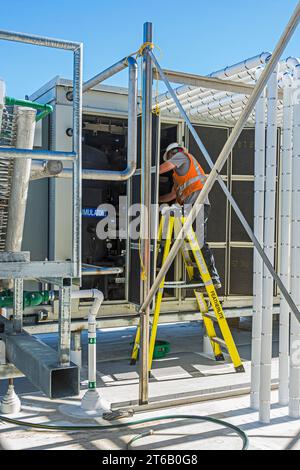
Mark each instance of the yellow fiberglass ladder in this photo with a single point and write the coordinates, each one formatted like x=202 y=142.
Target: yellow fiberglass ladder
x=170 y=226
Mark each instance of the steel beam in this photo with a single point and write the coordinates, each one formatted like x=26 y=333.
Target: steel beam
x=212 y=83
x=39 y=363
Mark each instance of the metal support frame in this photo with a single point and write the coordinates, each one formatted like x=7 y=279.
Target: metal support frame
x=75 y=155
x=64 y=344
x=210 y=83
x=146 y=210
x=18 y=305
x=215 y=172
x=212 y=178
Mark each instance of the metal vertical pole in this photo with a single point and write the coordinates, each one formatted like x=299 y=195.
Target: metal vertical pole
x=64 y=326
x=294 y=394
x=146 y=210
x=285 y=236
x=18 y=305
x=269 y=246
x=77 y=168
x=259 y=200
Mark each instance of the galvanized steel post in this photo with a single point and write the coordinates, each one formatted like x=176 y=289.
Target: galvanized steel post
x=146 y=210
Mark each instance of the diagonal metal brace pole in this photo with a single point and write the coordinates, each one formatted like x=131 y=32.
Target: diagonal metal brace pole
x=214 y=175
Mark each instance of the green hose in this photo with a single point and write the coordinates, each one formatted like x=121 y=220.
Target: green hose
x=237 y=430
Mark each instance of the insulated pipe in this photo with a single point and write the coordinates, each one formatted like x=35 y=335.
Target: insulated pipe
x=259 y=199
x=124 y=175
x=20 y=180
x=239 y=67
x=214 y=175
x=294 y=395
x=219 y=104
x=92 y=331
x=269 y=247
x=285 y=236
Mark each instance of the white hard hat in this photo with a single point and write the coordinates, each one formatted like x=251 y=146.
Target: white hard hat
x=170 y=147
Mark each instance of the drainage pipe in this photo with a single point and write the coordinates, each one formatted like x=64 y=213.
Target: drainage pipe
x=294 y=396
x=259 y=199
x=269 y=248
x=124 y=175
x=92 y=331
x=285 y=236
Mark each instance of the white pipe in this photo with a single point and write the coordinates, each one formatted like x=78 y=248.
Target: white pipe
x=285 y=235
x=269 y=245
x=227 y=72
x=259 y=202
x=294 y=395
x=92 y=331
x=201 y=94
x=220 y=104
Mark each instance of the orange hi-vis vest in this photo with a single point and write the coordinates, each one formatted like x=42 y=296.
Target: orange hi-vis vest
x=191 y=182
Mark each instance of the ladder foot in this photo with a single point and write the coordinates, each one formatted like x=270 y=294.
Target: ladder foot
x=240 y=369
x=220 y=358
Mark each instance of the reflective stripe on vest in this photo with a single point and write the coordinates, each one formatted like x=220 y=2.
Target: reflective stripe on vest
x=193 y=181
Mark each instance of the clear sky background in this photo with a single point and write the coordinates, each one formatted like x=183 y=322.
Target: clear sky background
x=198 y=36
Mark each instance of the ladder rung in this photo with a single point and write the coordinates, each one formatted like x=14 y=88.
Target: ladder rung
x=219 y=341
x=210 y=315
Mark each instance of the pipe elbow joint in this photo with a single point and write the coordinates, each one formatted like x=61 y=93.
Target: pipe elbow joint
x=98 y=294
x=132 y=63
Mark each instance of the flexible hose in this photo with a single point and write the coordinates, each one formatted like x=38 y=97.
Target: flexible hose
x=237 y=430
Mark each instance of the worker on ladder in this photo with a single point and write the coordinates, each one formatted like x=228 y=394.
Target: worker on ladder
x=189 y=179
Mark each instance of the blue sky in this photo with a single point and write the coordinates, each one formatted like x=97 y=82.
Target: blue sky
x=197 y=36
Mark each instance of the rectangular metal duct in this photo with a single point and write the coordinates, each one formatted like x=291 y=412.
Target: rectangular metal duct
x=39 y=363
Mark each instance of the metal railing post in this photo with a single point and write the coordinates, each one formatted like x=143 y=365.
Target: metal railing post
x=146 y=211
x=77 y=149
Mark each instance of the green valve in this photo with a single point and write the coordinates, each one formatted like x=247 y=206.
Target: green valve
x=92 y=340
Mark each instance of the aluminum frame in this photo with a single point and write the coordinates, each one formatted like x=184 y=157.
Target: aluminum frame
x=75 y=155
